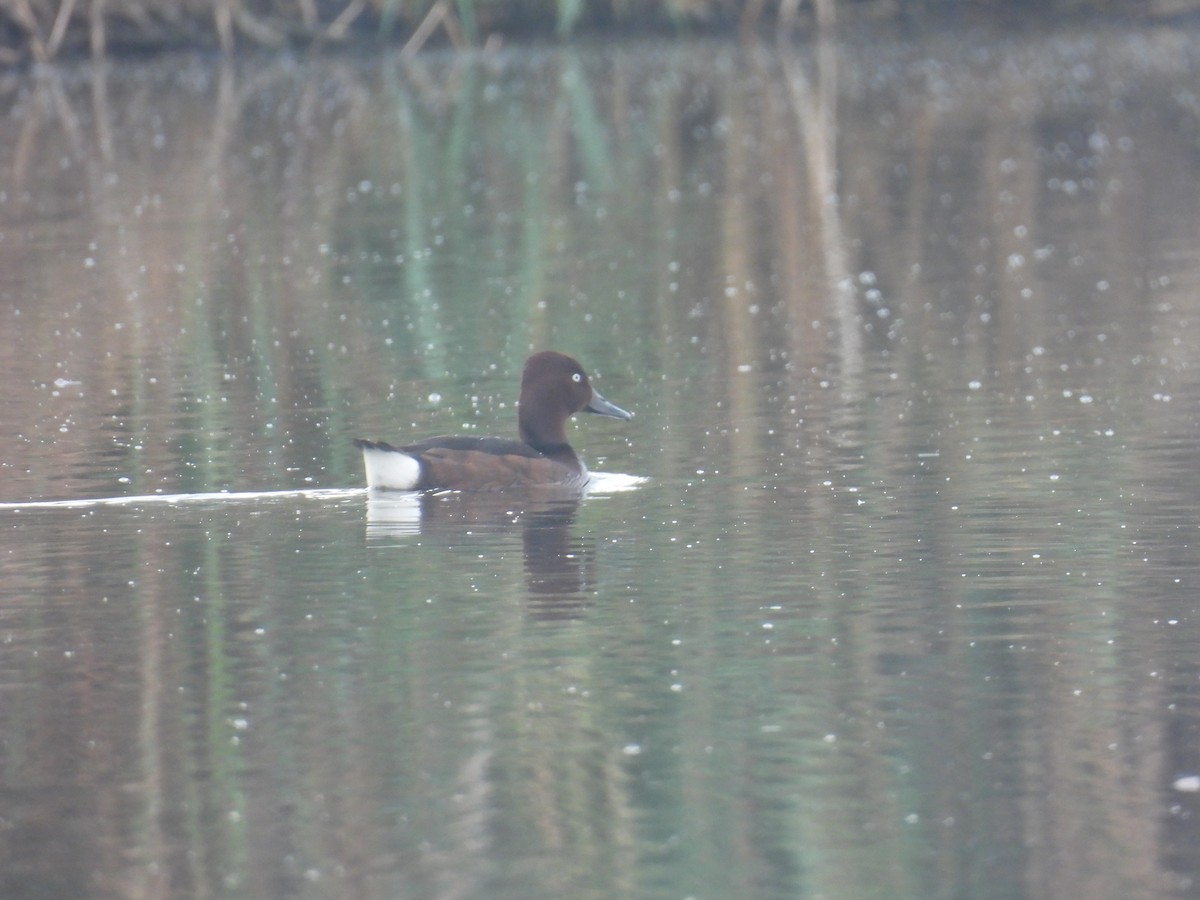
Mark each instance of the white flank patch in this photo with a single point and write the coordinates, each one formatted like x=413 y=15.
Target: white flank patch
x=613 y=482
x=391 y=470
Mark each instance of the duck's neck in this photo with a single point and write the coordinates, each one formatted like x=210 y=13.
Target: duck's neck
x=548 y=439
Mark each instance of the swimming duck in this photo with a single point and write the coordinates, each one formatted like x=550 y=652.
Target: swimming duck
x=553 y=388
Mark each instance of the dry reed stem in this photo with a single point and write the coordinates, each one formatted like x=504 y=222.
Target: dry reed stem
x=339 y=26
x=59 y=29
x=750 y=15
x=23 y=14
x=254 y=28
x=223 y=19
x=96 y=36
x=438 y=14
x=308 y=14
x=788 y=12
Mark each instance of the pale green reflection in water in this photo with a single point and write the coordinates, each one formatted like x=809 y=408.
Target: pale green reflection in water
x=907 y=606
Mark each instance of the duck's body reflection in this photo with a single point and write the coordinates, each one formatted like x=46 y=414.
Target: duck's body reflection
x=559 y=565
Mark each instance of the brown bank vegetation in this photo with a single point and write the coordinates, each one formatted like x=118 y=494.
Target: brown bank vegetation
x=44 y=30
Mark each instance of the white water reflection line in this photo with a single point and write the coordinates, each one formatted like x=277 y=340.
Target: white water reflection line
x=601 y=483
x=172 y=499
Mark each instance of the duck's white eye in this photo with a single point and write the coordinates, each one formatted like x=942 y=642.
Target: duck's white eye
x=577 y=377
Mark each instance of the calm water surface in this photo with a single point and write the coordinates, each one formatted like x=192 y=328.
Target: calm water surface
x=907 y=606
